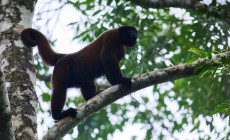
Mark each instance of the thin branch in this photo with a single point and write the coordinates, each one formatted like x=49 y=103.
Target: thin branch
x=51 y=10
x=116 y=92
x=55 y=12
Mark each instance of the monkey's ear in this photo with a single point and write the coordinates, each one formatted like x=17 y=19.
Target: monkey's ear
x=28 y=37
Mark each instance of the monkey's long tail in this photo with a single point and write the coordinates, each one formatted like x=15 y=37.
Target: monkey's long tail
x=31 y=37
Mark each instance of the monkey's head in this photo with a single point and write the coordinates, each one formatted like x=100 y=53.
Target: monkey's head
x=128 y=35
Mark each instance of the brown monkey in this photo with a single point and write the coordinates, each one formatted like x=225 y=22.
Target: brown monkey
x=79 y=69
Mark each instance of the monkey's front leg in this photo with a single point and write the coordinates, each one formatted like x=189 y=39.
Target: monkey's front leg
x=113 y=71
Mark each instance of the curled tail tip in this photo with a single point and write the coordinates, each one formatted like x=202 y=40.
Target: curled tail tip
x=28 y=37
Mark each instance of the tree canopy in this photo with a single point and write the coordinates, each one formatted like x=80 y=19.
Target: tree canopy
x=167 y=36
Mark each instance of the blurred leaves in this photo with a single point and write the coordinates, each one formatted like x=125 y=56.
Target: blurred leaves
x=222 y=108
x=164 y=39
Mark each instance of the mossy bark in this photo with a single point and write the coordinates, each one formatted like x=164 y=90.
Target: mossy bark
x=16 y=63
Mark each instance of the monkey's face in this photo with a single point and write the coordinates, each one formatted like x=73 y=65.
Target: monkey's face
x=128 y=35
x=131 y=38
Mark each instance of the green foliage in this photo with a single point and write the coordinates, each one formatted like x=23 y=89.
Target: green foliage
x=100 y=125
x=223 y=108
x=46 y=97
x=223 y=63
x=191 y=61
x=163 y=40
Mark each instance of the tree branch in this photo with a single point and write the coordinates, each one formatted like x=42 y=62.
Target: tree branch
x=223 y=12
x=116 y=92
x=167 y=3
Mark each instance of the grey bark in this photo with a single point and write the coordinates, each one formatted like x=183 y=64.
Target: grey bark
x=6 y=129
x=16 y=63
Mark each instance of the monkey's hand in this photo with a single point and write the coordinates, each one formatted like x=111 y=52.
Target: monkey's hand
x=125 y=81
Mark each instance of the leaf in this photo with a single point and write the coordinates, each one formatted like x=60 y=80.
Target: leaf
x=48 y=84
x=229 y=120
x=201 y=75
x=117 y=1
x=38 y=66
x=70 y=132
x=133 y=137
x=195 y=127
x=205 y=70
x=224 y=107
x=148 y=134
x=72 y=23
x=145 y=99
x=109 y=2
x=82 y=34
x=46 y=97
x=198 y=66
x=225 y=60
x=99 y=2
x=97 y=12
x=203 y=54
x=209 y=55
x=196 y=51
x=46 y=68
x=70 y=2
x=191 y=61
x=214 y=71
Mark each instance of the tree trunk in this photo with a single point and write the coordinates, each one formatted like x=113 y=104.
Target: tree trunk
x=16 y=63
x=6 y=129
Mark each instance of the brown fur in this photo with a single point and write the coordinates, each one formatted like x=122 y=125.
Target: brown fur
x=80 y=69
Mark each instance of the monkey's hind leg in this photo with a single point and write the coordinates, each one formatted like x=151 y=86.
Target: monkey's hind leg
x=58 y=99
x=88 y=90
